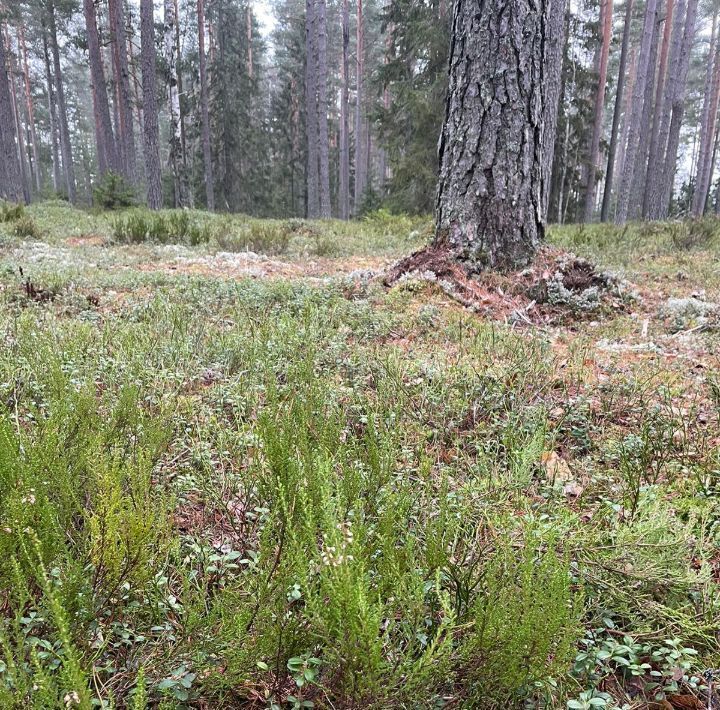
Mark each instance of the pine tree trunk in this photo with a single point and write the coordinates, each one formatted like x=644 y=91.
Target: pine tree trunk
x=249 y=30
x=622 y=143
x=22 y=154
x=185 y=168
x=361 y=157
x=492 y=167
x=121 y=70
x=641 y=161
x=11 y=187
x=65 y=144
x=617 y=112
x=634 y=127
x=37 y=174
x=323 y=137
x=344 y=181
x=107 y=153
x=52 y=113
x=678 y=109
x=151 y=130
x=205 y=110
x=176 y=143
x=311 y=112
x=593 y=161
x=657 y=157
x=659 y=93
x=704 y=171
x=555 y=41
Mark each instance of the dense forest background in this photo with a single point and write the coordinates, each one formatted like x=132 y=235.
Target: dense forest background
x=334 y=108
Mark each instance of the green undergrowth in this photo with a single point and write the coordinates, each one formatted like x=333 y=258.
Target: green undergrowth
x=284 y=495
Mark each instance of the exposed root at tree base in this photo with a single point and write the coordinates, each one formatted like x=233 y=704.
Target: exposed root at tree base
x=557 y=284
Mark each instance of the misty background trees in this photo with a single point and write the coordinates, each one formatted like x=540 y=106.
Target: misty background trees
x=334 y=107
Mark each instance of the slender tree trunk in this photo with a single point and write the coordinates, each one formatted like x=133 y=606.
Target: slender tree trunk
x=620 y=162
x=554 y=47
x=361 y=158
x=22 y=153
x=11 y=186
x=323 y=138
x=176 y=143
x=492 y=166
x=52 y=113
x=344 y=182
x=678 y=109
x=631 y=150
x=593 y=161
x=184 y=169
x=205 y=110
x=249 y=27
x=107 y=152
x=641 y=161
x=659 y=93
x=63 y=124
x=703 y=175
x=22 y=45
x=617 y=112
x=153 y=173
x=311 y=112
x=121 y=70
x=657 y=158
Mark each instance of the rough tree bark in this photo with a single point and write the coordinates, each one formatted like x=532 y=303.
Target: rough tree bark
x=22 y=152
x=176 y=143
x=636 y=108
x=11 y=187
x=657 y=157
x=592 y=167
x=344 y=178
x=648 y=111
x=121 y=70
x=617 y=112
x=63 y=125
x=151 y=130
x=678 y=109
x=659 y=93
x=205 y=109
x=707 y=130
x=361 y=158
x=322 y=106
x=311 y=112
x=492 y=164
x=108 y=160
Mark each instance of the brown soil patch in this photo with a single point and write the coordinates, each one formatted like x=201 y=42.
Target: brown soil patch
x=87 y=240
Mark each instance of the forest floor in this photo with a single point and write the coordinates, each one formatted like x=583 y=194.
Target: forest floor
x=238 y=470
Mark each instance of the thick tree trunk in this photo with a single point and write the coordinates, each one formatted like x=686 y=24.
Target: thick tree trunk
x=361 y=158
x=492 y=167
x=633 y=141
x=11 y=187
x=344 y=181
x=705 y=164
x=617 y=112
x=322 y=104
x=121 y=70
x=205 y=110
x=63 y=125
x=108 y=160
x=151 y=130
x=176 y=143
x=52 y=113
x=311 y=112
x=592 y=168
